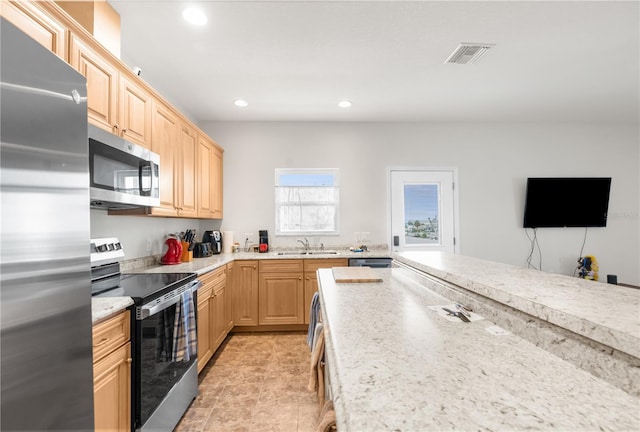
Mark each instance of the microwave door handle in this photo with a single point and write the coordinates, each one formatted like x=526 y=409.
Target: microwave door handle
x=141 y=169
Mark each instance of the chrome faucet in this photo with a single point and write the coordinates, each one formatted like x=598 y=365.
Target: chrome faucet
x=305 y=243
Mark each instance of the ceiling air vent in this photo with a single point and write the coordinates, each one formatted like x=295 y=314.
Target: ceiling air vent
x=468 y=53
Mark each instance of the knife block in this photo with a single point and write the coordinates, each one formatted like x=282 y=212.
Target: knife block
x=187 y=255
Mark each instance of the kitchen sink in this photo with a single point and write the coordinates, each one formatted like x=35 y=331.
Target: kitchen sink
x=314 y=252
x=321 y=252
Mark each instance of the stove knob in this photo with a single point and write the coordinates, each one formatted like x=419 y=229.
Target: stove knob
x=117 y=246
x=101 y=248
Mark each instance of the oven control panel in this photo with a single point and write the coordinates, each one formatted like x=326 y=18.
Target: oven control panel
x=106 y=250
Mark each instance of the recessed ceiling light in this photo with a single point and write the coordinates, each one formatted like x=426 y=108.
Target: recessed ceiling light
x=344 y=104
x=241 y=103
x=194 y=16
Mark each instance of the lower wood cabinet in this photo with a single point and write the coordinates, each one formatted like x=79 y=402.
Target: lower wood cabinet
x=112 y=373
x=213 y=314
x=281 y=295
x=244 y=290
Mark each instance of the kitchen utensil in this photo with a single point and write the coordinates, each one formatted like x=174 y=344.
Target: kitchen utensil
x=173 y=253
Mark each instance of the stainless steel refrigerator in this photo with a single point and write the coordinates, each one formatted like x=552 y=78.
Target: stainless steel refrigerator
x=45 y=339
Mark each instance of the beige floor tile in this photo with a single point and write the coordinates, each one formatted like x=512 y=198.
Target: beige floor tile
x=256 y=382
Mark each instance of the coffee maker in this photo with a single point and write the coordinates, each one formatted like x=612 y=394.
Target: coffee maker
x=214 y=237
x=263 y=246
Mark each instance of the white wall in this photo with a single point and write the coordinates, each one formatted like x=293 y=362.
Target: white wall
x=135 y=231
x=493 y=162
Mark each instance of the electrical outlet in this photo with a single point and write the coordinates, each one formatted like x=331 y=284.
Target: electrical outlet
x=248 y=237
x=149 y=245
x=364 y=236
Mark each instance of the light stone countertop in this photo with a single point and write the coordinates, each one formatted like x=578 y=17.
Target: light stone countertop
x=103 y=307
x=606 y=313
x=396 y=365
x=205 y=265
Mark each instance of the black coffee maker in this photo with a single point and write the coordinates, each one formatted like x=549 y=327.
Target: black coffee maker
x=263 y=236
x=214 y=237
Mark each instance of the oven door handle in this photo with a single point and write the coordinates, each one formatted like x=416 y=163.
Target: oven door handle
x=146 y=311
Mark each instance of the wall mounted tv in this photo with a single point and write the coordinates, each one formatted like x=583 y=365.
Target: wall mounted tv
x=567 y=202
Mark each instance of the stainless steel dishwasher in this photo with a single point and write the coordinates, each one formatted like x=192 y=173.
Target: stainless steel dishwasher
x=370 y=262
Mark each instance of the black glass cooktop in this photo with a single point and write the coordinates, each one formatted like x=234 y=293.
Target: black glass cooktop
x=141 y=287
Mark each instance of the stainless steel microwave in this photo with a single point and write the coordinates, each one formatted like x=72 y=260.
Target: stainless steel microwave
x=122 y=174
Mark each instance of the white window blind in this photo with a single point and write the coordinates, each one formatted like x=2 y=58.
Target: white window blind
x=307 y=201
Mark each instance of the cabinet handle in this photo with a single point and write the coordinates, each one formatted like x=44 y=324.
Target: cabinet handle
x=307 y=277
x=129 y=360
x=102 y=342
x=254 y=267
x=124 y=131
x=300 y=278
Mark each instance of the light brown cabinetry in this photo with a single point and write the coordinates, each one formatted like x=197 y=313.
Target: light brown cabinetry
x=204 y=326
x=244 y=290
x=112 y=373
x=209 y=178
x=164 y=136
x=39 y=24
x=213 y=316
x=134 y=112
x=102 y=83
x=186 y=178
x=115 y=102
x=281 y=294
x=311 y=279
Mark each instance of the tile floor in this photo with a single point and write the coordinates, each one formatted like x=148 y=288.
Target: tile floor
x=255 y=382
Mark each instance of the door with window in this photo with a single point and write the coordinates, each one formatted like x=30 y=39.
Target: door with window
x=423 y=214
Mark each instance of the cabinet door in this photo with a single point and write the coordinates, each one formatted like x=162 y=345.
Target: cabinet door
x=37 y=24
x=187 y=179
x=228 y=305
x=205 y=351
x=216 y=185
x=281 y=298
x=102 y=83
x=220 y=322
x=134 y=112
x=310 y=288
x=164 y=139
x=245 y=293
x=112 y=391
x=205 y=177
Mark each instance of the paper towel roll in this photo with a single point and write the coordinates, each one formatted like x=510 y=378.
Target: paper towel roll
x=227 y=241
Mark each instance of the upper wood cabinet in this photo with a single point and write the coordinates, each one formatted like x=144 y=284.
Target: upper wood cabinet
x=114 y=101
x=134 y=112
x=186 y=179
x=41 y=25
x=209 y=161
x=165 y=134
x=102 y=83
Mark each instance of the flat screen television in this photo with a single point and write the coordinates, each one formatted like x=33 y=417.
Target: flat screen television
x=567 y=202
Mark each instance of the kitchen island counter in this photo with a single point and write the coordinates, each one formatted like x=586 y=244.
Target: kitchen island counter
x=395 y=364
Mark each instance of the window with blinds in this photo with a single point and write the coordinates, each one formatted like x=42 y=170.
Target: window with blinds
x=307 y=201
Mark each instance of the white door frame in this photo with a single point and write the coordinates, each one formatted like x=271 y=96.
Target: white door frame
x=456 y=218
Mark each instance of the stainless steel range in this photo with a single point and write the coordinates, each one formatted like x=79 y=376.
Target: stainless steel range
x=164 y=372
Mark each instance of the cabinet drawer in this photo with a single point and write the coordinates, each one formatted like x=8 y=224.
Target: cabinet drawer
x=110 y=334
x=311 y=265
x=204 y=294
x=214 y=277
x=295 y=265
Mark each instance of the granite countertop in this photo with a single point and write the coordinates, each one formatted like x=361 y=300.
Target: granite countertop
x=606 y=313
x=104 y=307
x=394 y=364
x=205 y=265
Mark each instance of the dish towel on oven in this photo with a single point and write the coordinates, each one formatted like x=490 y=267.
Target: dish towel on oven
x=184 y=331
x=314 y=312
